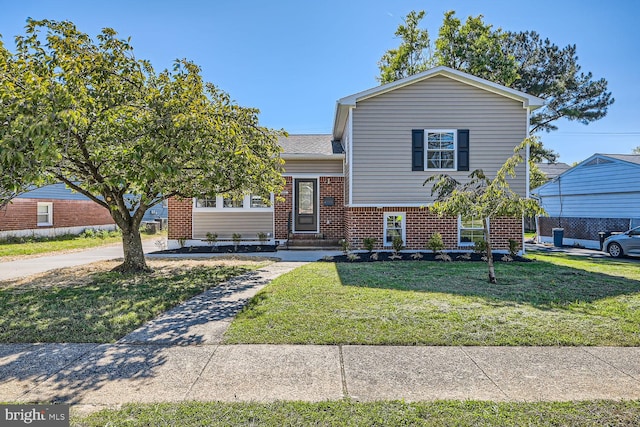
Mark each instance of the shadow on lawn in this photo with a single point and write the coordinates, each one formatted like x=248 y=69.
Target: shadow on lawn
x=541 y=284
x=65 y=373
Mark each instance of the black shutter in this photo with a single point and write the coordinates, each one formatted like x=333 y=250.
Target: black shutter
x=463 y=149
x=417 y=150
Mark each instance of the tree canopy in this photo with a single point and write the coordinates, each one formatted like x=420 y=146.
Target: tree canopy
x=91 y=115
x=520 y=60
x=412 y=56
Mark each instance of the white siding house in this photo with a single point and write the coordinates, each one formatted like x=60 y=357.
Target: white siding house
x=601 y=193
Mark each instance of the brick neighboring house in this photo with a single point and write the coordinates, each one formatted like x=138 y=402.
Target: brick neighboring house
x=52 y=210
x=366 y=178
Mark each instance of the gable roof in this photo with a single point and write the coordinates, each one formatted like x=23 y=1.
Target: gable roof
x=631 y=158
x=318 y=146
x=551 y=170
x=597 y=158
x=343 y=104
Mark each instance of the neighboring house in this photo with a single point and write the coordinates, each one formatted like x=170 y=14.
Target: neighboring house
x=602 y=193
x=551 y=170
x=52 y=210
x=366 y=178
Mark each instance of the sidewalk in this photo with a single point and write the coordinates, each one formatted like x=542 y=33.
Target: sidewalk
x=179 y=356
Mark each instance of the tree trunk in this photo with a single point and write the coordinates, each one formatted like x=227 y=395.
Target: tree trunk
x=134 y=261
x=487 y=238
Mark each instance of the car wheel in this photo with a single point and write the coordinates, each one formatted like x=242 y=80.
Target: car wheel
x=615 y=250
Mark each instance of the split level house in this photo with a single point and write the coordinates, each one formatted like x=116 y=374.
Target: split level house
x=365 y=179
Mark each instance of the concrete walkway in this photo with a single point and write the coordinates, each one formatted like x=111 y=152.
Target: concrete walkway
x=179 y=356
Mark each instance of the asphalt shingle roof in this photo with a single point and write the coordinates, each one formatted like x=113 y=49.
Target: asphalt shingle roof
x=633 y=158
x=322 y=144
x=551 y=170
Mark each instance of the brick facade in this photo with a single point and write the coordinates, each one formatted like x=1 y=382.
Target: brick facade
x=180 y=218
x=331 y=217
x=21 y=214
x=582 y=228
x=420 y=225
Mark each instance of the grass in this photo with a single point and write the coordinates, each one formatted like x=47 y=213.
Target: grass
x=350 y=413
x=556 y=300
x=93 y=304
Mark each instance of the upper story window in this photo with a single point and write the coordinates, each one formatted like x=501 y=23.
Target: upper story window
x=440 y=152
x=440 y=149
x=45 y=214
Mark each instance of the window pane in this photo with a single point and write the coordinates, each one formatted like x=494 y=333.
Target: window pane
x=257 y=202
x=206 y=203
x=232 y=203
x=392 y=234
x=471 y=236
x=305 y=197
x=43 y=218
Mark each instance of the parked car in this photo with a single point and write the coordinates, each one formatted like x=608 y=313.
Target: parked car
x=627 y=243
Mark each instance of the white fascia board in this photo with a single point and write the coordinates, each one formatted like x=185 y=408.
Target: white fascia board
x=529 y=101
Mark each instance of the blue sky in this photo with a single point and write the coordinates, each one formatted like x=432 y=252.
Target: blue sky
x=294 y=59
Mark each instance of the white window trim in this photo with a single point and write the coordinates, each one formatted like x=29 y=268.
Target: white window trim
x=49 y=206
x=246 y=205
x=460 y=243
x=384 y=227
x=455 y=149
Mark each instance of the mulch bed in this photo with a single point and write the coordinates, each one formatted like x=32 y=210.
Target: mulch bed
x=423 y=256
x=222 y=249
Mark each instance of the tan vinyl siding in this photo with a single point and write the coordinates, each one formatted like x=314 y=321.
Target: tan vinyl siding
x=381 y=164
x=333 y=166
x=248 y=224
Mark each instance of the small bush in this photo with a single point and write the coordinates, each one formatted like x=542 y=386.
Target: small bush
x=262 y=237
x=236 y=237
x=212 y=238
x=480 y=247
x=353 y=257
x=416 y=256
x=443 y=257
x=513 y=247
x=369 y=243
x=435 y=243
x=397 y=244
x=344 y=243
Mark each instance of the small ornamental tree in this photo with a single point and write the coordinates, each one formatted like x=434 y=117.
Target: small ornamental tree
x=482 y=197
x=91 y=115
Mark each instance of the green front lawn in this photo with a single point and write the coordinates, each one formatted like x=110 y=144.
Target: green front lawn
x=93 y=304
x=556 y=300
x=350 y=413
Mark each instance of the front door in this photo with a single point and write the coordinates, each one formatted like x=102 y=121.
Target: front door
x=306 y=208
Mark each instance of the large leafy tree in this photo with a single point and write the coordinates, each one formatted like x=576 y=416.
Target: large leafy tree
x=412 y=56
x=484 y=197
x=520 y=60
x=91 y=115
x=475 y=48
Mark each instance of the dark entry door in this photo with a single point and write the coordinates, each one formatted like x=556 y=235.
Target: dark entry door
x=306 y=209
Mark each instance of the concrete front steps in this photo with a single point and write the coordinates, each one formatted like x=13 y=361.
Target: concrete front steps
x=311 y=242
